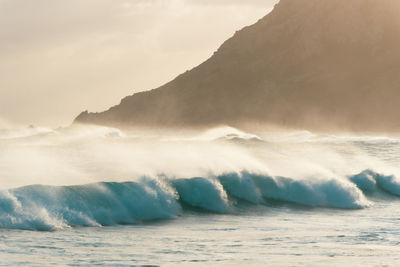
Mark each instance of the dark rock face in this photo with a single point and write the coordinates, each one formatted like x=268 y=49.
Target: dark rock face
x=312 y=64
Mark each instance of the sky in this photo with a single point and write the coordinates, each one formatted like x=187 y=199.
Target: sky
x=58 y=58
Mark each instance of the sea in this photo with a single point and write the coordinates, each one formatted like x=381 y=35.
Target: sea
x=99 y=196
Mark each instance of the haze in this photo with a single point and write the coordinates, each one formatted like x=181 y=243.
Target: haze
x=58 y=58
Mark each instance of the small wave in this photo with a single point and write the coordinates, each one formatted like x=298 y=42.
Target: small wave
x=226 y=133
x=242 y=187
x=203 y=193
x=371 y=182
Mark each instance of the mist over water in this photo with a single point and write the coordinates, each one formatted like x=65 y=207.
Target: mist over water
x=98 y=176
x=257 y=195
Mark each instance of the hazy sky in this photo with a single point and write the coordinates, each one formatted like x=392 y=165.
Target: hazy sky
x=59 y=57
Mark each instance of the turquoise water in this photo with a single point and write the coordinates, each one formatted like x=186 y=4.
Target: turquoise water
x=274 y=236
x=224 y=197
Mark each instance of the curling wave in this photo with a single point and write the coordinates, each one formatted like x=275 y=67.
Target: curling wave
x=39 y=207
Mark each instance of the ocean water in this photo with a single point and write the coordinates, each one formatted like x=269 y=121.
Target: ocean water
x=222 y=197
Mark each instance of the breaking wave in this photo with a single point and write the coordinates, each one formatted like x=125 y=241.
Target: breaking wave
x=220 y=171
x=47 y=208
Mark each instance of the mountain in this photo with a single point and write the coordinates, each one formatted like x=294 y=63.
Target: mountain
x=311 y=64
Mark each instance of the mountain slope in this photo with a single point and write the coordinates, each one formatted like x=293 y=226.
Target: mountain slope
x=309 y=64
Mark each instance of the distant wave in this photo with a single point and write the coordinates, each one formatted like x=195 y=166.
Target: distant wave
x=40 y=207
x=74 y=132
x=6 y=133
x=226 y=133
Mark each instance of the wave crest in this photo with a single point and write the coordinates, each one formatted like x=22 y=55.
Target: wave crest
x=40 y=207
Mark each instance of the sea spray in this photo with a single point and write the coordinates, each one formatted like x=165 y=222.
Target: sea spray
x=101 y=176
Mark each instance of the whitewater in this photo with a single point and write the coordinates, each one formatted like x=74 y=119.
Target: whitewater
x=89 y=195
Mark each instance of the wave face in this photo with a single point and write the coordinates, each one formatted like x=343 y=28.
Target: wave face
x=48 y=208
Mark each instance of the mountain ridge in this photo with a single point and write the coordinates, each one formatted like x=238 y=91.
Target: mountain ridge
x=307 y=64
